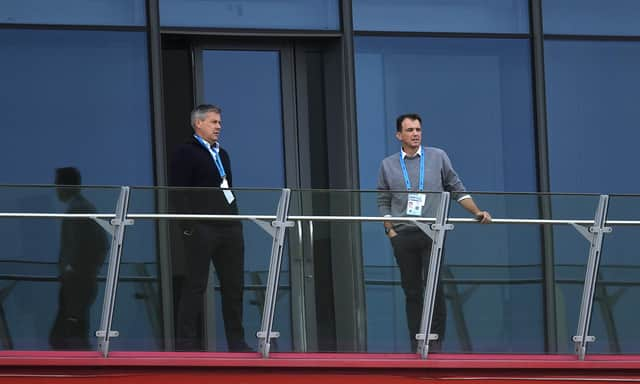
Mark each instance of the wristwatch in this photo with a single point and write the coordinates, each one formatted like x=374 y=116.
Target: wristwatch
x=387 y=230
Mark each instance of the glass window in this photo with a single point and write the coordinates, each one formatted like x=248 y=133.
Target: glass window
x=258 y=71
x=69 y=98
x=476 y=89
x=38 y=260
x=494 y=16
x=592 y=88
x=591 y=17
x=592 y=92
x=474 y=95
x=273 y=14
x=75 y=99
x=83 y=12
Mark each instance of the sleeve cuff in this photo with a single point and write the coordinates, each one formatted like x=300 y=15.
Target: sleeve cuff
x=463 y=197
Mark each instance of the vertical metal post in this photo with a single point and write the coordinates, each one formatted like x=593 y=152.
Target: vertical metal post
x=595 y=235
x=540 y=109
x=437 y=233
x=265 y=334
x=104 y=333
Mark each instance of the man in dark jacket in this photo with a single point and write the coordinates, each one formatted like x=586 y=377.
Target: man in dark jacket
x=201 y=162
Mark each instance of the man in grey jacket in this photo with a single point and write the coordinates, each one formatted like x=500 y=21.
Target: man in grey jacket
x=418 y=170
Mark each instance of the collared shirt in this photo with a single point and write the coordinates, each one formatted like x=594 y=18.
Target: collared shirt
x=418 y=153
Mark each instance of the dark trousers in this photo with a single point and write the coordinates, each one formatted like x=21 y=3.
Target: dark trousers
x=225 y=247
x=70 y=330
x=412 y=250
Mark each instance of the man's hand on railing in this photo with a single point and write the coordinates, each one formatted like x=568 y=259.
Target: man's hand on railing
x=483 y=217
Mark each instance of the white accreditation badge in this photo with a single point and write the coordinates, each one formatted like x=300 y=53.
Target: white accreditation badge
x=227 y=193
x=415 y=203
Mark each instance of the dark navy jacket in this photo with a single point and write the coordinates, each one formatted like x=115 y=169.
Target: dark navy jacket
x=193 y=166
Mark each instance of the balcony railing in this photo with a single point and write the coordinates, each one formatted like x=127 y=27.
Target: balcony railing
x=538 y=273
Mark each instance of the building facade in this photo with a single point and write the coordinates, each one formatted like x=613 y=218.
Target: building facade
x=524 y=95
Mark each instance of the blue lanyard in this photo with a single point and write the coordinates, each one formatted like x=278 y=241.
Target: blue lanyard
x=214 y=154
x=407 y=182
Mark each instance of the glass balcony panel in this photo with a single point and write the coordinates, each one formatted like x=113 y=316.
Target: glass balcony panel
x=498 y=266
x=492 y=279
x=614 y=321
x=333 y=248
x=515 y=260
x=570 y=255
x=144 y=318
x=52 y=270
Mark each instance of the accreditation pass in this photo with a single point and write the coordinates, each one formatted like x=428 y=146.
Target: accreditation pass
x=415 y=203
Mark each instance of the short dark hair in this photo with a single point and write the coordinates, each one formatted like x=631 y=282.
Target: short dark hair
x=201 y=111
x=410 y=116
x=68 y=176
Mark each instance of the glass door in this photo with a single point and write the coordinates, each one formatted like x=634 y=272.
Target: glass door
x=284 y=124
x=253 y=85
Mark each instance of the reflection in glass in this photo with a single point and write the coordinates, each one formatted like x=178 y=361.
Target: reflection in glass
x=83 y=248
x=29 y=264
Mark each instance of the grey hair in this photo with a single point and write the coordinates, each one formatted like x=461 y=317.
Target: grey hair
x=200 y=112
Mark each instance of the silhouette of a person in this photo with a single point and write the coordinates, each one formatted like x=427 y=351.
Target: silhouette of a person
x=83 y=246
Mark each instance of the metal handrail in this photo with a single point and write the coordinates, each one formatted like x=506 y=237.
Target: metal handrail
x=306 y=218
x=59 y=215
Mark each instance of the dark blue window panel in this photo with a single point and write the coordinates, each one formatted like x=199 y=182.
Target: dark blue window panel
x=74 y=12
x=497 y=16
x=260 y=14
x=591 y=17
x=69 y=98
x=260 y=72
x=593 y=88
x=592 y=91
x=475 y=97
x=75 y=98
